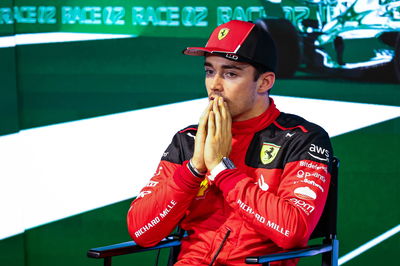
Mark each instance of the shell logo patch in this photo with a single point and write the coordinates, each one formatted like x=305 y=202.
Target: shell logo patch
x=268 y=152
x=305 y=193
x=223 y=33
x=203 y=188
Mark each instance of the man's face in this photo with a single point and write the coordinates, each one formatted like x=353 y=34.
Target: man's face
x=234 y=81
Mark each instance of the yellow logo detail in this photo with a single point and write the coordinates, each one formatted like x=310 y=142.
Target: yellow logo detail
x=268 y=152
x=223 y=33
x=203 y=188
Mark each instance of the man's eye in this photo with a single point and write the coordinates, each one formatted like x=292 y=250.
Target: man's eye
x=209 y=72
x=230 y=74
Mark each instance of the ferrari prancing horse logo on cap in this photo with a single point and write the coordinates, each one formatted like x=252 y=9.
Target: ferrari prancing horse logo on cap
x=222 y=33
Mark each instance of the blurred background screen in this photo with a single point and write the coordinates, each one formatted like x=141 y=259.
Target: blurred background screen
x=91 y=93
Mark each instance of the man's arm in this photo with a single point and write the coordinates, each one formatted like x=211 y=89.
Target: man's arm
x=290 y=215
x=163 y=202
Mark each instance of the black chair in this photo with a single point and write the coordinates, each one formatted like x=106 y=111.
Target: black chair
x=107 y=252
x=326 y=229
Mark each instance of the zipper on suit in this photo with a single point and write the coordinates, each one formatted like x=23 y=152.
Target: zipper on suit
x=220 y=247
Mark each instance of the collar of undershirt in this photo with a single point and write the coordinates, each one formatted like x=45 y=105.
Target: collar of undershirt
x=257 y=123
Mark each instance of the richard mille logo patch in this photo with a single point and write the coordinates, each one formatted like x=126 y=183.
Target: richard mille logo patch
x=268 y=152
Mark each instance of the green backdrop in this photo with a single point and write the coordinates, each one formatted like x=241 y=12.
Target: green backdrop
x=48 y=83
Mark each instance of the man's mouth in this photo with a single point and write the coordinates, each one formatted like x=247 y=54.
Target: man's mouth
x=212 y=97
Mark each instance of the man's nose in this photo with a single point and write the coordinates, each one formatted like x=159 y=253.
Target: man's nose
x=217 y=84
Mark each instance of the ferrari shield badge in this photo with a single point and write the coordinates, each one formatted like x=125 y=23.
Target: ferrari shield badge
x=268 y=152
x=222 y=33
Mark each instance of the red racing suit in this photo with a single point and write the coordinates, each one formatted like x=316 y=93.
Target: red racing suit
x=272 y=201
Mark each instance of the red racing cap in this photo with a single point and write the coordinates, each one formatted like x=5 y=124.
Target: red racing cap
x=240 y=41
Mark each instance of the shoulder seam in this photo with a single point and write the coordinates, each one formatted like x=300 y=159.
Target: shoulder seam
x=187 y=129
x=284 y=128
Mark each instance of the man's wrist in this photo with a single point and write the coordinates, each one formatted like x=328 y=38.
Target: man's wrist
x=224 y=164
x=195 y=171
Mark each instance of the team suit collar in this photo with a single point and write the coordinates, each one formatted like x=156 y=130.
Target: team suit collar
x=257 y=123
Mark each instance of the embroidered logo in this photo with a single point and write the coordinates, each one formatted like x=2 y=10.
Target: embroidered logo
x=262 y=184
x=203 y=188
x=268 y=152
x=223 y=33
x=305 y=193
x=191 y=135
x=316 y=152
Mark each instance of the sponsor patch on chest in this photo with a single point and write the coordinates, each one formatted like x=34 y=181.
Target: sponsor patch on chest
x=268 y=152
x=204 y=185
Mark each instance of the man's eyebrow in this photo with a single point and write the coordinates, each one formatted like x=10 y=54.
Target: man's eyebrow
x=227 y=66
x=207 y=64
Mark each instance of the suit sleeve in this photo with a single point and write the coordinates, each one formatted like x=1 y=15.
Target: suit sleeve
x=163 y=202
x=290 y=215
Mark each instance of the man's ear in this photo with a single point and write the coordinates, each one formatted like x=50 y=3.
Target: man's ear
x=265 y=82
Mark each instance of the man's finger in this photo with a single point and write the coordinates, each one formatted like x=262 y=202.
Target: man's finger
x=222 y=108
x=211 y=124
x=204 y=115
x=228 y=117
x=225 y=116
x=217 y=115
x=199 y=142
x=204 y=118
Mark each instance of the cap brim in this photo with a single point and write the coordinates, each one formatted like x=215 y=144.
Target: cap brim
x=200 y=51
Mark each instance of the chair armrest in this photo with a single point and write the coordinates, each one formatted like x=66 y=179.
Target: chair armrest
x=130 y=247
x=291 y=254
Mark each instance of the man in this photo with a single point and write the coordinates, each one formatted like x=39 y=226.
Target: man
x=248 y=180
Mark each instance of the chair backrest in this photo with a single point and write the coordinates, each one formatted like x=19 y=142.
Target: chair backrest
x=326 y=226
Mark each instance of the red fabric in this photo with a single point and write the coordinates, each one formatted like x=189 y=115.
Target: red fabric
x=283 y=128
x=235 y=33
x=260 y=220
